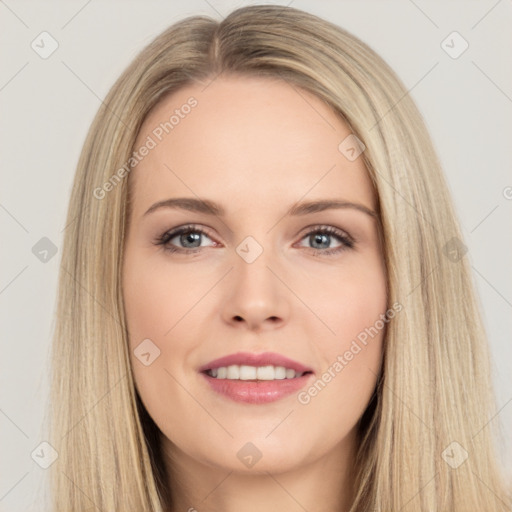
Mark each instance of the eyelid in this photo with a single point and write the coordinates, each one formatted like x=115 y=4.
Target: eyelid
x=346 y=239
x=173 y=232
x=328 y=227
x=347 y=242
x=305 y=230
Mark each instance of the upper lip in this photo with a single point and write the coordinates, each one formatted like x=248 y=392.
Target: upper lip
x=250 y=359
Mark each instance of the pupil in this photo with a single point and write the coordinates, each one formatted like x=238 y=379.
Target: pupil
x=318 y=238
x=191 y=237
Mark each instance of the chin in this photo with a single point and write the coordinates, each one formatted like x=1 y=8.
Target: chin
x=257 y=457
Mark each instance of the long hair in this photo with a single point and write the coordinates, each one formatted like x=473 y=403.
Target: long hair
x=426 y=440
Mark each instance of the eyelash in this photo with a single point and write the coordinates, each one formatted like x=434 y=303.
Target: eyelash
x=347 y=241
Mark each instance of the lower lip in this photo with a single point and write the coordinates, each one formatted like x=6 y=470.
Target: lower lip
x=257 y=392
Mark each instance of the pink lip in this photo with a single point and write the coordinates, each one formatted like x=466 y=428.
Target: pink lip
x=249 y=359
x=256 y=391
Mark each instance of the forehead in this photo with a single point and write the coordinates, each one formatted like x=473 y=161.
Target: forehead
x=249 y=139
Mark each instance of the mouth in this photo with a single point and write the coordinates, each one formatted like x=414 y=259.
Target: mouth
x=255 y=378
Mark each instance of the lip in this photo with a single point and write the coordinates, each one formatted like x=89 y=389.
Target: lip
x=250 y=359
x=256 y=391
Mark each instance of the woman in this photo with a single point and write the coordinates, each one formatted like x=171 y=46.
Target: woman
x=262 y=371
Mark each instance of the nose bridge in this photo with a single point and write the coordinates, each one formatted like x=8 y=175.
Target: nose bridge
x=255 y=293
x=252 y=262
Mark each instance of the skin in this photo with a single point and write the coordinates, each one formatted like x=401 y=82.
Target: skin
x=256 y=146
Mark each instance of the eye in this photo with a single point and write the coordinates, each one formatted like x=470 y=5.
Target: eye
x=321 y=237
x=190 y=237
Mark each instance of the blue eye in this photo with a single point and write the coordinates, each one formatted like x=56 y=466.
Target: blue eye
x=323 y=236
x=190 y=238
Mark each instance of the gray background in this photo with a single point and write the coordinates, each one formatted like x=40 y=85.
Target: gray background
x=48 y=104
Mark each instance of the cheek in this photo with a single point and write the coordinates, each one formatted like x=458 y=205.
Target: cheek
x=162 y=304
x=353 y=306
x=150 y=304
x=154 y=300
x=350 y=300
x=154 y=304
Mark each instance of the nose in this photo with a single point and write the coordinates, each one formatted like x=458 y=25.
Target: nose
x=256 y=297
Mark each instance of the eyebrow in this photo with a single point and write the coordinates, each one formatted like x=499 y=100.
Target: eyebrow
x=211 y=208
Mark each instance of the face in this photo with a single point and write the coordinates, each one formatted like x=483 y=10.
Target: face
x=284 y=292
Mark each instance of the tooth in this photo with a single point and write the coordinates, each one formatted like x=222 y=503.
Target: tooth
x=247 y=372
x=280 y=372
x=265 y=373
x=233 y=372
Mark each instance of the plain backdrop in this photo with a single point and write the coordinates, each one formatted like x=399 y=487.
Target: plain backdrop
x=47 y=105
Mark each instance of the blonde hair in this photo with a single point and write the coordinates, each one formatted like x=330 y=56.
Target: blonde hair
x=435 y=384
